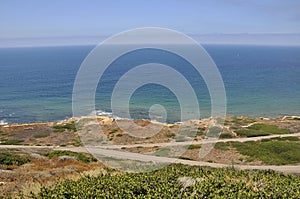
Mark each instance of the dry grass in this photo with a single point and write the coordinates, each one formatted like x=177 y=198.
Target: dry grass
x=44 y=172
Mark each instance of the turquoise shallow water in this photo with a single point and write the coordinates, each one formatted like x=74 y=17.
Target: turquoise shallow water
x=36 y=83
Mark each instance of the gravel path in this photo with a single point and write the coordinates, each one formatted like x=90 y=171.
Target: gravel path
x=112 y=151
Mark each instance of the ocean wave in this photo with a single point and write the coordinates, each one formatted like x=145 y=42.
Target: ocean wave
x=106 y=114
x=3 y=122
x=156 y=117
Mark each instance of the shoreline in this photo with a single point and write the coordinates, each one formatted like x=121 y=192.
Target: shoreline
x=186 y=139
x=70 y=119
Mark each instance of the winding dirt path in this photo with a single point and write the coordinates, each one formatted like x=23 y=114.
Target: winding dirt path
x=205 y=141
x=114 y=152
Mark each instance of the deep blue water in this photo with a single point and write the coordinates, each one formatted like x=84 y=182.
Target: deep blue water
x=36 y=83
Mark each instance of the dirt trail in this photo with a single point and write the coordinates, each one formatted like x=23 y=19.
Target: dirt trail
x=110 y=152
x=156 y=159
x=205 y=141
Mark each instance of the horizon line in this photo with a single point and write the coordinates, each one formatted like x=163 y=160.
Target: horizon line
x=266 y=39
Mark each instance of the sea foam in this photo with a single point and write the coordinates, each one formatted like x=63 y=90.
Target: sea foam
x=3 y=122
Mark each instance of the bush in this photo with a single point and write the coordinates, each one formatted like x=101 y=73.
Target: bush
x=79 y=156
x=9 y=159
x=222 y=146
x=225 y=135
x=184 y=158
x=170 y=182
x=271 y=152
x=76 y=141
x=62 y=127
x=171 y=135
x=11 y=142
x=113 y=131
x=292 y=138
x=194 y=146
x=40 y=135
x=261 y=130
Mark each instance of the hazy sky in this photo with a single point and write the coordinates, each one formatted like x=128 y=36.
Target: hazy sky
x=90 y=18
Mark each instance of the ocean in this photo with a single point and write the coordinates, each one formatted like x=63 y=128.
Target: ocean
x=36 y=83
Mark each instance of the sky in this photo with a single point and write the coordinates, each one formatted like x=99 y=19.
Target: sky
x=43 y=22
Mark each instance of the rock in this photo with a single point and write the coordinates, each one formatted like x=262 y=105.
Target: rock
x=35 y=155
x=66 y=157
x=188 y=181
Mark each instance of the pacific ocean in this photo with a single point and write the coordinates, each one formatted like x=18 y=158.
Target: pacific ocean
x=36 y=83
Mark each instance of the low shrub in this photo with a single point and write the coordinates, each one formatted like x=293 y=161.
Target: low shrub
x=194 y=146
x=9 y=159
x=261 y=130
x=11 y=142
x=63 y=127
x=271 y=152
x=87 y=158
x=40 y=135
x=225 y=135
x=224 y=146
x=171 y=135
x=204 y=182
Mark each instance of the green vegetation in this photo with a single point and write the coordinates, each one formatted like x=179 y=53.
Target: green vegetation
x=292 y=138
x=184 y=158
x=225 y=135
x=249 y=159
x=63 y=127
x=79 y=156
x=272 y=152
x=194 y=146
x=200 y=131
x=113 y=131
x=261 y=130
x=9 y=159
x=224 y=146
x=10 y=142
x=40 y=135
x=171 y=135
x=179 y=181
x=76 y=141
x=242 y=121
x=9 y=134
x=3 y=133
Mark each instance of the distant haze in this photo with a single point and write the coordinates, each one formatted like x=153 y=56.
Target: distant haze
x=80 y=22
x=249 y=39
